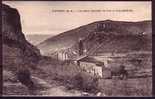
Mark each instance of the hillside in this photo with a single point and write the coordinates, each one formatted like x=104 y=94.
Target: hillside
x=16 y=49
x=125 y=35
x=37 y=38
x=18 y=54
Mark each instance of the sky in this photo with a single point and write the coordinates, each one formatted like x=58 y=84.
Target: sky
x=51 y=17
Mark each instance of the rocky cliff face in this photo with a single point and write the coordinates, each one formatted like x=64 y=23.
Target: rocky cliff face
x=17 y=52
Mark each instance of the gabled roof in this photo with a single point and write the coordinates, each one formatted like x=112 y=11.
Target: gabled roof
x=91 y=60
x=80 y=57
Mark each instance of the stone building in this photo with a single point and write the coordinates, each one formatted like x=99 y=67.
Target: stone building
x=90 y=65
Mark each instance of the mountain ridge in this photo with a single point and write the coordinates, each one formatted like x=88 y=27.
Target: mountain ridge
x=145 y=21
x=101 y=28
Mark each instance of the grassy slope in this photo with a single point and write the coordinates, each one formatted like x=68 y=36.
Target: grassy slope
x=36 y=38
x=69 y=38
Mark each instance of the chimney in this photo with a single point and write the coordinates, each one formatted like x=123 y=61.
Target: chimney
x=81 y=47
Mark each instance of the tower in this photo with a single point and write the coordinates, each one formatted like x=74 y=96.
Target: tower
x=81 y=47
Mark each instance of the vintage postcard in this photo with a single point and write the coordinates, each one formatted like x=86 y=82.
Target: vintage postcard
x=75 y=48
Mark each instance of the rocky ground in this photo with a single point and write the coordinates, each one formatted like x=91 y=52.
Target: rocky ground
x=42 y=88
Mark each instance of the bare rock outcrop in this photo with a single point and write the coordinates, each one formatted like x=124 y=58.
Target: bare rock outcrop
x=19 y=56
x=16 y=49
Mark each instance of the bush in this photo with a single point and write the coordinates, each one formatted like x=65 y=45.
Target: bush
x=85 y=82
x=24 y=76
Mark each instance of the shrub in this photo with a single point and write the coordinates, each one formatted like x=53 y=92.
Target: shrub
x=85 y=82
x=24 y=76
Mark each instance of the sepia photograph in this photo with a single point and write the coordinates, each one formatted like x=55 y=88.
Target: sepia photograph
x=77 y=48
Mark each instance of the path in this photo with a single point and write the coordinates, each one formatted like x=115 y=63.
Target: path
x=43 y=88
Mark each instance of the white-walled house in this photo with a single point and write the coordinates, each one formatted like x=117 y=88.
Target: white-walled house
x=90 y=65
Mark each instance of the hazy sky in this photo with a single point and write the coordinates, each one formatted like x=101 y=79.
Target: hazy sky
x=39 y=17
